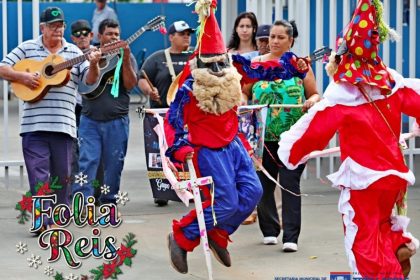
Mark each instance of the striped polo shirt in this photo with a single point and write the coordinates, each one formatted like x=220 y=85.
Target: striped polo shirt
x=55 y=112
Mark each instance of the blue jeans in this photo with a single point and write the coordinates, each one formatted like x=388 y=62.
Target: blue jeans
x=106 y=140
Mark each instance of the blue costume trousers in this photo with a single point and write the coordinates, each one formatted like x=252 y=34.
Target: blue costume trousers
x=237 y=189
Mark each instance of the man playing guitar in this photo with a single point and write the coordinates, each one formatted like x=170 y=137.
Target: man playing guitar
x=104 y=124
x=48 y=126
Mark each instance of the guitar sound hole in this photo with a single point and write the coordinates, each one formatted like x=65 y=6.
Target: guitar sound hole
x=103 y=62
x=48 y=70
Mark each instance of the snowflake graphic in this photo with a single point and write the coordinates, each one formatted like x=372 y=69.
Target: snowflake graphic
x=34 y=261
x=21 y=247
x=122 y=197
x=104 y=189
x=81 y=179
x=48 y=270
x=72 y=277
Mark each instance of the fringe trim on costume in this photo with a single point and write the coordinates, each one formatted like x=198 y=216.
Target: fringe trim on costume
x=385 y=31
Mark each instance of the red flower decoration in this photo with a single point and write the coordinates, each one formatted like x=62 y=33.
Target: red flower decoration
x=26 y=203
x=45 y=189
x=109 y=269
x=123 y=253
x=162 y=30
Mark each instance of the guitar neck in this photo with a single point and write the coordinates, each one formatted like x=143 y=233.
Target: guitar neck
x=69 y=63
x=105 y=50
x=134 y=37
x=130 y=40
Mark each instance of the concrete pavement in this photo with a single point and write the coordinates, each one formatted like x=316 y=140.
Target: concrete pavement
x=321 y=248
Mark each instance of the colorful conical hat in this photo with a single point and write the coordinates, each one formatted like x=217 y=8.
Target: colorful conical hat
x=362 y=64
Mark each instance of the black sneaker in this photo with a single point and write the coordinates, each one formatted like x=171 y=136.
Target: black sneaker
x=161 y=202
x=221 y=254
x=177 y=255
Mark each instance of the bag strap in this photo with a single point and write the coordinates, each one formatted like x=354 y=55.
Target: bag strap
x=170 y=64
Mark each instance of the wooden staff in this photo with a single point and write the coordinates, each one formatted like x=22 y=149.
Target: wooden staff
x=150 y=84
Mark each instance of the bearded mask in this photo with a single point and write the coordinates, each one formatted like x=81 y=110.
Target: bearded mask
x=216 y=84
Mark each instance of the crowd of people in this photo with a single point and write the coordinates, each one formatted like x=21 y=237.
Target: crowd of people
x=82 y=127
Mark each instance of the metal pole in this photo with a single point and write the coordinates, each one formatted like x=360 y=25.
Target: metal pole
x=5 y=85
x=412 y=27
x=346 y=12
x=385 y=45
x=399 y=47
x=20 y=40
x=332 y=35
x=35 y=18
x=278 y=10
x=412 y=52
x=319 y=41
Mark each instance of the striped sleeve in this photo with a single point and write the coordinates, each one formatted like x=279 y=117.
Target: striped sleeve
x=17 y=54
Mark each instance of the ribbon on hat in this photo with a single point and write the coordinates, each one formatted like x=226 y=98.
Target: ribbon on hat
x=116 y=82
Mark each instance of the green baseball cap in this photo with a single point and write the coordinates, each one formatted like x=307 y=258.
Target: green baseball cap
x=52 y=14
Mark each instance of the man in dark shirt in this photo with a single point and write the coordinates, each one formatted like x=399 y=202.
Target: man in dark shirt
x=104 y=124
x=163 y=66
x=158 y=68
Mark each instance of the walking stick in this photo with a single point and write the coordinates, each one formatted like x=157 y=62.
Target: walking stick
x=150 y=83
x=194 y=184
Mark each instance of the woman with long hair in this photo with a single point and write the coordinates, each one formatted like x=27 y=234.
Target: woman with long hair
x=243 y=34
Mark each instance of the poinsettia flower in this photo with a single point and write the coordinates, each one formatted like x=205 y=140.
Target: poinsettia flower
x=26 y=203
x=109 y=269
x=123 y=253
x=45 y=189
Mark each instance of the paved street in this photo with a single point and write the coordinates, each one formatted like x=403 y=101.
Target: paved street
x=321 y=248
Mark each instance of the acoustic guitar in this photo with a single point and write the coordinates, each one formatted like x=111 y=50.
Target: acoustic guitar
x=53 y=71
x=108 y=63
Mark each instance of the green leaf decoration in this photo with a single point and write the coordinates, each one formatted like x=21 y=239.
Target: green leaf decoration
x=96 y=183
x=133 y=251
x=54 y=185
x=38 y=186
x=128 y=262
x=118 y=270
x=58 y=276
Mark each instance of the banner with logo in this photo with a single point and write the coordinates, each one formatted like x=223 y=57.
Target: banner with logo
x=161 y=188
x=252 y=125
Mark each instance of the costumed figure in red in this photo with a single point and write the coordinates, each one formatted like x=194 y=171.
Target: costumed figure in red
x=202 y=124
x=364 y=104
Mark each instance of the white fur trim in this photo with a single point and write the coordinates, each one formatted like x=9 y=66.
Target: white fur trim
x=357 y=177
x=347 y=94
x=345 y=208
x=400 y=223
x=414 y=244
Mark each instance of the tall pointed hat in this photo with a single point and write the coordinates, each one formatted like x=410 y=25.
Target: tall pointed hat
x=362 y=36
x=210 y=39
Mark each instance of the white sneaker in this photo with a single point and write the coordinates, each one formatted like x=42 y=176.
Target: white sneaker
x=270 y=240
x=290 y=247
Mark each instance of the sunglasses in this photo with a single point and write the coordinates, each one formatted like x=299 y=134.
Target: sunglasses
x=79 y=33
